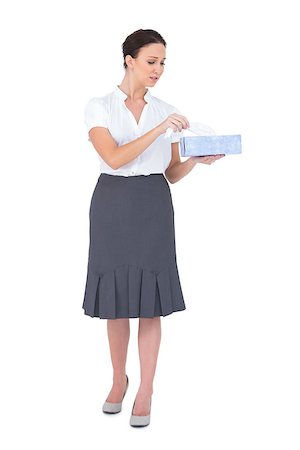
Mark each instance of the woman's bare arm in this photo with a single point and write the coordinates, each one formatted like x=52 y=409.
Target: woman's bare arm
x=116 y=156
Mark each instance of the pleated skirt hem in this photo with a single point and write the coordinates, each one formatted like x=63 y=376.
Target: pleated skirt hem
x=130 y=291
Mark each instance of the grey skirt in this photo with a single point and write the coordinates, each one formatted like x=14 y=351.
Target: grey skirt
x=132 y=269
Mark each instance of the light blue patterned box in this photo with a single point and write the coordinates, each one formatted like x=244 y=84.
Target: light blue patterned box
x=210 y=145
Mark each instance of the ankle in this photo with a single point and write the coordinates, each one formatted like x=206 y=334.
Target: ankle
x=119 y=378
x=145 y=390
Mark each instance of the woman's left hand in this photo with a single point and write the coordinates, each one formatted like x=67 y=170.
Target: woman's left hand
x=209 y=159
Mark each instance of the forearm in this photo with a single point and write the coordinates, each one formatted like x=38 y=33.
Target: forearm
x=127 y=152
x=181 y=169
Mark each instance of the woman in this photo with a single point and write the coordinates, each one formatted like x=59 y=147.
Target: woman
x=132 y=270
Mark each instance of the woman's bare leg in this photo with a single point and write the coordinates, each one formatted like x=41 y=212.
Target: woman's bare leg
x=118 y=331
x=149 y=337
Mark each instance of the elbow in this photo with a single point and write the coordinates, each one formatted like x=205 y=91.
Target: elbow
x=109 y=158
x=169 y=179
x=113 y=164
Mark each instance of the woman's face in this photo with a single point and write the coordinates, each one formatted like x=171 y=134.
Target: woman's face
x=148 y=66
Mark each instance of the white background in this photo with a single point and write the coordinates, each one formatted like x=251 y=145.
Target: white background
x=228 y=367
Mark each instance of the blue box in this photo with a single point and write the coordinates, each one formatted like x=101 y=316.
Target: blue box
x=210 y=145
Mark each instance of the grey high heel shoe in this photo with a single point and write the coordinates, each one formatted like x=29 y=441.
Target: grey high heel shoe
x=113 y=408
x=140 y=421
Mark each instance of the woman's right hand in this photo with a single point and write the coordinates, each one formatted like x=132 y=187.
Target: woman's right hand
x=175 y=121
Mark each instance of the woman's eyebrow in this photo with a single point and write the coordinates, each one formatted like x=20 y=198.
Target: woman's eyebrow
x=155 y=57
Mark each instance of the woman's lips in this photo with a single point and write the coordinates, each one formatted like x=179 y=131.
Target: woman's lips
x=154 y=78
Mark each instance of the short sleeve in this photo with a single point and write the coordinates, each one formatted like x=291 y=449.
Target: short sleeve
x=95 y=114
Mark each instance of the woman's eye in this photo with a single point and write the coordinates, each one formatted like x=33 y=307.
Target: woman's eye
x=152 y=62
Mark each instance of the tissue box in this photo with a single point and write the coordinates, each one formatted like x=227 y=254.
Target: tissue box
x=210 y=145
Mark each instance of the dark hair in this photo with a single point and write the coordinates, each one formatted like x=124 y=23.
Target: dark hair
x=138 y=39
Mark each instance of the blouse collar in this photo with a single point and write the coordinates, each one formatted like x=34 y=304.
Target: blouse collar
x=123 y=96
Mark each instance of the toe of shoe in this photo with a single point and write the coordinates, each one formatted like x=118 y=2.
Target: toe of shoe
x=111 y=408
x=139 y=421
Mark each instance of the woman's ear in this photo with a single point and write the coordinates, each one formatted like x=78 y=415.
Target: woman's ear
x=129 y=61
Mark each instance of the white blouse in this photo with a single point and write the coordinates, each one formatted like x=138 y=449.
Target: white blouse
x=110 y=111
